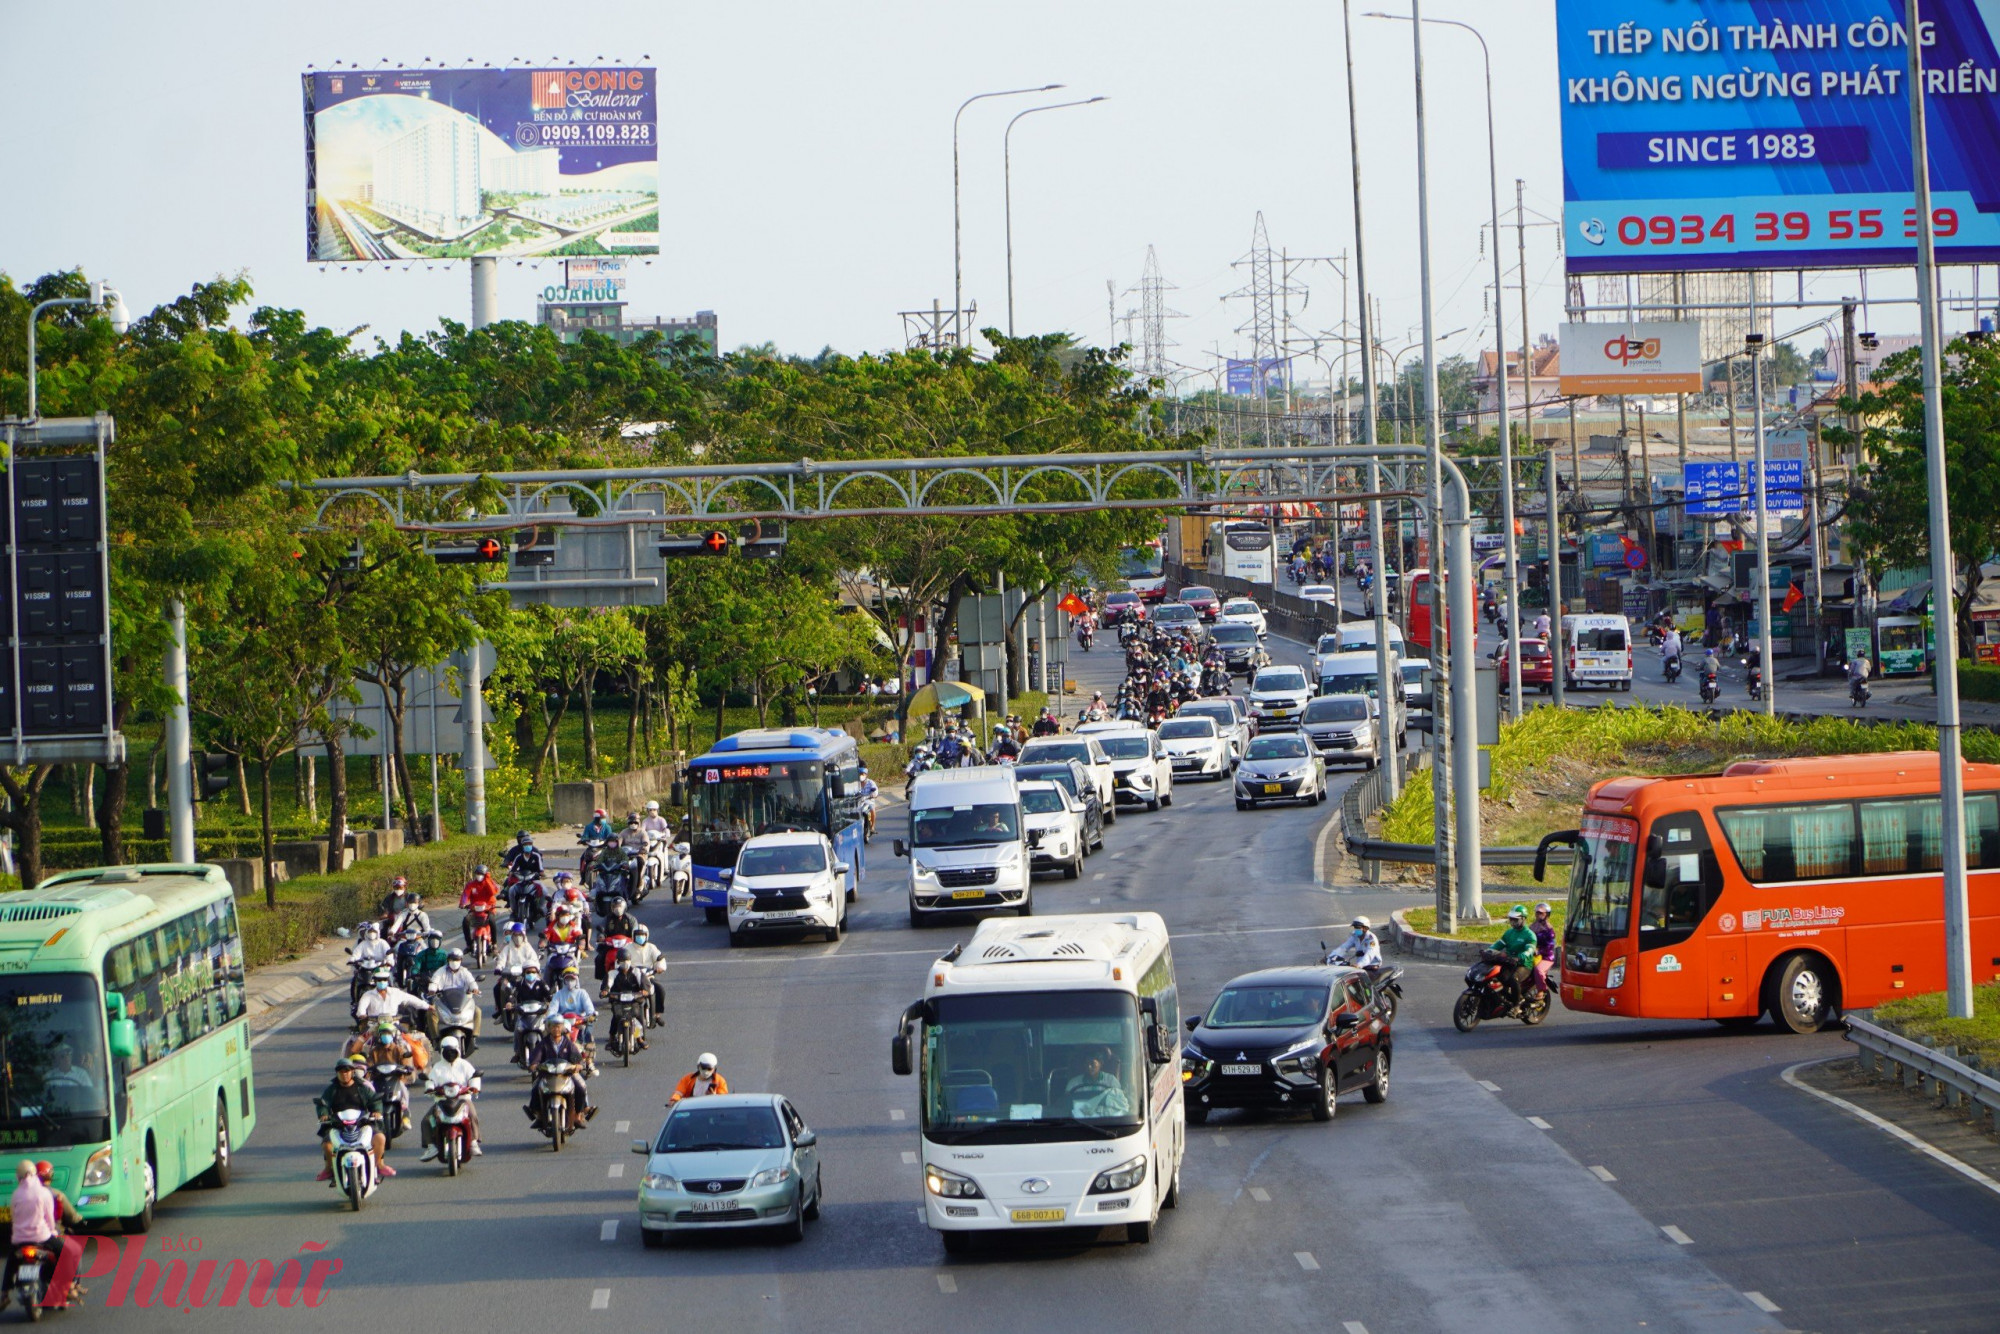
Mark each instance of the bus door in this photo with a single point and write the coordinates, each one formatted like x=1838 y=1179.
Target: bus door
x=1680 y=882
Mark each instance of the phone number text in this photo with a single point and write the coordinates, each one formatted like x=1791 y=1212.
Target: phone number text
x=1840 y=224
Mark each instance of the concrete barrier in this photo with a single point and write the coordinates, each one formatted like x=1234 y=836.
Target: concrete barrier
x=618 y=794
x=302 y=858
x=376 y=843
x=246 y=875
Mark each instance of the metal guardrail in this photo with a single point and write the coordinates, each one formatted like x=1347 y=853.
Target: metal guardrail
x=1364 y=797
x=1952 y=1082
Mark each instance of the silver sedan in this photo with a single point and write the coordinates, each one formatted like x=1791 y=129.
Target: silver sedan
x=1282 y=766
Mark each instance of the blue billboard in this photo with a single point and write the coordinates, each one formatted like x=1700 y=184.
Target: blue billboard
x=1719 y=489
x=1259 y=378
x=1772 y=134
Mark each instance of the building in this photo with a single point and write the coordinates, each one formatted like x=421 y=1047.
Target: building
x=1537 y=388
x=428 y=179
x=569 y=319
x=520 y=171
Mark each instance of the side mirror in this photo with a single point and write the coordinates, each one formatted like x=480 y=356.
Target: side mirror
x=805 y=1140
x=899 y=1053
x=1563 y=838
x=1159 y=1044
x=1656 y=872
x=1193 y=1022
x=900 y=848
x=1346 y=1021
x=1035 y=837
x=836 y=783
x=1656 y=845
x=641 y=1146
x=124 y=1039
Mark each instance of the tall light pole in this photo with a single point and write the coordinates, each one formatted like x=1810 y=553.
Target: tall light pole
x=102 y=298
x=1951 y=774
x=957 y=266
x=1007 y=185
x=1753 y=343
x=1508 y=544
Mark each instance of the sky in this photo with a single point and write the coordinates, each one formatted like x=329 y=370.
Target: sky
x=806 y=165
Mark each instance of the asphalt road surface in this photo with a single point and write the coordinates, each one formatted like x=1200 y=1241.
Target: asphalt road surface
x=1588 y=1175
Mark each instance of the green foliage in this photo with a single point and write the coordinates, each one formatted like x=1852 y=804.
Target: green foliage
x=310 y=907
x=1979 y=680
x=1923 y=1016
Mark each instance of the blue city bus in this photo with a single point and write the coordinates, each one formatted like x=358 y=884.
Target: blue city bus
x=765 y=781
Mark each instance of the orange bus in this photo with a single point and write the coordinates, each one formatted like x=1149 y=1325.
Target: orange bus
x=1793 y=888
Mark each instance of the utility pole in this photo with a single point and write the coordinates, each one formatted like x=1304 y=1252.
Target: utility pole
x=1555 y=580
x=1755 y=341
x=180 y=778
x=472 y=700
x=1153 y=316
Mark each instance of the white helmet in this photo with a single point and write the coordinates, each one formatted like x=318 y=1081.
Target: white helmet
x=653 y=807
x=1362 y=924
x=706 y=1061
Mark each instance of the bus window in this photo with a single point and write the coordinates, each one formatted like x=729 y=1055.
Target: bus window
x=1600 y=888
x=1689 y=882
x=1779 y=843
x=1907 y=837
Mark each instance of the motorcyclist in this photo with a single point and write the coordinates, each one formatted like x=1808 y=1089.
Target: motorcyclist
x=1005 y=747
x=347 y=1091
x=645 y=956
x=388 y=1042
x=869 y=792
x=369 y=953
x=454 y=975
x=633 y=838
x=1857 y=674
x=1670 y=645
x=620 y=921
x=1711 y=666
x=703 y=1080
x=393 y=903
x=451 y=1068
x=480 y=895
x=517 y=951
x=1361 y=949
x=656 y=825
x=570 y=997
x=565 y=930
x=626 y=975
x=567 y=891
x=524 y=859
x=1046 y=724
x=410 y=919
x=556 y=1045
x=433 y=957
x=1518 y=943
x=1545 y=945
x=599 y=828
x=383 y=1001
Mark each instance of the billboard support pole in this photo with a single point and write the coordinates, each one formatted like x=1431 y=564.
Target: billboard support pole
x=485 y=291
x=1951 y=773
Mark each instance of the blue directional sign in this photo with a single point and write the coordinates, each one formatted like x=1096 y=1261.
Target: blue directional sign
x=1723 y=488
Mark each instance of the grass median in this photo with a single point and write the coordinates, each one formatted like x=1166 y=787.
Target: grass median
x=1923 y=1016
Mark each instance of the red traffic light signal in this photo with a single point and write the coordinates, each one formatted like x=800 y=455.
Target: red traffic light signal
x=487 y=550
x=716 y=542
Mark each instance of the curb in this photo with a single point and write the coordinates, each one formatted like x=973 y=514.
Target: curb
x=1437 y=948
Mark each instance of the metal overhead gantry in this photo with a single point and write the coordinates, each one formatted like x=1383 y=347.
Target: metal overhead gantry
x=805 y=490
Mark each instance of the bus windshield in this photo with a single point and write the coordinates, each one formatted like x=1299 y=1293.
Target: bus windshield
x=52 y=1078
x=730 y=802
x=1031 y=1067
x=1139 y=562
x=1600 y=883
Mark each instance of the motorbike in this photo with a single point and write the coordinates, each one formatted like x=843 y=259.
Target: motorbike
x=479 y=923
x=556 y=1080
x=1756 y=678
x=923 y=758
x=1384 y=979
x=30 y=1283
x=1673 y=669
x=451 y=1125
x=527 y=900
x=354 y=1157
x=1857 y=690
x=668 y=863
x=628 y=1023
x=1083 y=637
x=592 y=849
x=506 y=983
x=528 y=1012
x=616 y=872
x=454 y=1012
x=1711 y=689
x=1489 y=995
x=389 y=1079
x=404 y=961
x=607 y=954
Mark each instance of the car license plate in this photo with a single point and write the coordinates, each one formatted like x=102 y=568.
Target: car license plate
x=1039 y=1215
x=1242 y=1069
x=714 y=1206
x=968 y=893
x=1274 y=787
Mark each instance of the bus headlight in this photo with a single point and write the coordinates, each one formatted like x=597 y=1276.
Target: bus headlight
x=97 y=1171
x=951 y=1185
x=1127 y=1175
x=1616 y=978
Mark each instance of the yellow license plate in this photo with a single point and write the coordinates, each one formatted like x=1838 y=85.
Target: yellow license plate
x=1038 y=1215
x=1274 y=787
x=968 y=893
x=1576 y=993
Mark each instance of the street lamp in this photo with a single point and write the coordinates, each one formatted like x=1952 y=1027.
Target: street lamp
x=957 y=269
x=102 y=297
x=1007 y=184
x=1396 y=385
x=1753 y=347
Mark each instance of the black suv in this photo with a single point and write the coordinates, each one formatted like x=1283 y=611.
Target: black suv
x=1286 y=1038
x=1072 y=775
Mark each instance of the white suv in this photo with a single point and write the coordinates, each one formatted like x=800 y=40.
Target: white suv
x=1278 y=697
x=788 y=882
x=1144 y=770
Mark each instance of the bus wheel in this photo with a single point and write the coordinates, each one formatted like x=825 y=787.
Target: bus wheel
x=216 y=1177
x=1800 y=993
x=1139 y=1234
x=142 y=1222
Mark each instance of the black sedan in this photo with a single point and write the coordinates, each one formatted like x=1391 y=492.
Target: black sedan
x=1072 y=775
x=1285 y=1038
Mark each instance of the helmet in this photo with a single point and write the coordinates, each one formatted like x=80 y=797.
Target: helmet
x=569 y=970
x=354 y=1065
x=433 y=934
x=563 y=877
x=618 y=903
x=450 y=1045
x=553 y=1023
x=479 y=869
x=400 y=882
x=456 y=954
x=705 y=1062
x=381 y=977
x=624 y=951
x=632 y=819
x=1362 y=924
x=1541 y=908
x=1517 y=911
x=652 y=807
x=598 y=813
x=640 y=932
x=370 y=929
x=517 y=928
x=385 y=1037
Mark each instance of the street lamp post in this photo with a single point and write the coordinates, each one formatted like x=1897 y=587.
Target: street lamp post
x=102 y=298
x=1753 y=343
x=957 y=266
x=1007 y=185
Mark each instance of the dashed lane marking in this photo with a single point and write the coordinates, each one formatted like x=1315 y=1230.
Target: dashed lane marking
x=608 y=1230
x=946 y=1283
x=788 y=960
x=1539 y=1124
x=1094 y=899
x=1354 y=1327
x=1489 y=1086
x=617 y=1170
x=1259 y=1194
x=621 y=1127
x=1676 y=1236
x=600 y=1299
x=1602 y=1174
x=1097 y=875
x=910 y=1156
x=1220 y=1141
x=895 y=1113
x=1306 y=1261
x=1761 y=1302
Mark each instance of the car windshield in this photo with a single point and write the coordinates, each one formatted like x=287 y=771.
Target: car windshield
x=964 y=826
x=1413 y=672
x=1221 y=713
x=694 y=1128
x=1050 y=773
x=1239 y=607
x=1611 y=640
x=1277 y=748
x=1057 y=750
x=1026 y=1067
x=1264 y=1006
x=1125 y=746
x=1181 y=729
x=1042 y=801
x=1600 y=881
x=1234 y=634
x=1292 y=679
x=1337 y=709
x=1194 y=591
x=1328 y=644
x=52 y=1076
x=1178 y=611
x=783 y=859
x=1120 y=599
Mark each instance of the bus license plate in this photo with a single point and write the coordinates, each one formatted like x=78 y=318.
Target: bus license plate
x=968 y=893
x=1039 y=1215
x=1273 y=787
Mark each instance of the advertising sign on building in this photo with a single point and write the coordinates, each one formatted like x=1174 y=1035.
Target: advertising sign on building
x=447 y=164
x=1643 y=357
x=589 y=280
x=1771 y=136
x=1255 y=379
x=1722 y=488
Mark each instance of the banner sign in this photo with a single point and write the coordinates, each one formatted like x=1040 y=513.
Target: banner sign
x=447 y=164
x=589 y=280
x=1645 y=357
x=1772 y=136
x=1256 y=379
x=1717 y=489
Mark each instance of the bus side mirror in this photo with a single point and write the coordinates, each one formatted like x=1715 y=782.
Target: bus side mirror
x=1561 y=838
x=1656 y=872
x=899 y=1053
x=836 y=783
x=124 y=1038
x=1656 y=845
x=677 y=792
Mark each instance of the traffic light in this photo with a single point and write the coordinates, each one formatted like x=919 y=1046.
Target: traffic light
x=488 y=550
x=212 y=776
x=535 y=547
x=715 y=542
x=764 y=548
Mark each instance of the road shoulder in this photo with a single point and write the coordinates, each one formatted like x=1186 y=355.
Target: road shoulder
x=1948 y=1137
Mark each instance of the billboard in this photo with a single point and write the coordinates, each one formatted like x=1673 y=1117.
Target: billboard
x=1643 y=357
x=447 y=164
x=1255 y=379
x=1772 y=135
x=1722 y=488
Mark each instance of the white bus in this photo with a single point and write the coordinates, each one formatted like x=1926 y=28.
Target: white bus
x=1051 y=1089
x=1242 y=549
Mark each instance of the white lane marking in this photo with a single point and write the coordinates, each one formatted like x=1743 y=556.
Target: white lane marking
x=617 y=1170
x=788 y=960
x=1320 y=876
x=910 y=1156
x=1354 y=1327
x=1539 y=1124
x=895 y=1113
x=1761 y=1302
x=620 y=1127
x=1097 y=900
x=946 y=1283
x=1676 y=1236
x=1097 y=875
x=1964 y=1169
x=287 y=1020
x=1489 y=1086
x=1220 y=1141
x=1259 y=1194
x=1305 y=1259
x=1602 y=1174
x=608 y=1230
x=600 y=1299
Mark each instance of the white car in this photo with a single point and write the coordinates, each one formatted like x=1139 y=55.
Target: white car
x=1326 y=593
x=1055 y=827
x=1197 y=747
x=1143 y=773
x=1327 y=645
x=1247 y=612
x=1081 y=747
x=1229 y=719
x=1278 y=697
x=788 y=882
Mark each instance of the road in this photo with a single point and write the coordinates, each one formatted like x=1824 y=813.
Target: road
x=1447 y=1209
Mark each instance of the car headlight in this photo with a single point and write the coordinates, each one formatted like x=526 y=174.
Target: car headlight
x=659 y=1181
x=1194 y=1062
x=1617 y=975
x=97 y=1171
x=771 y=1176
x=1128 y=1175
x=923 y=872
x=1140 y=778
x=951 y=1185
x=741 y=900
x=1300 y=1060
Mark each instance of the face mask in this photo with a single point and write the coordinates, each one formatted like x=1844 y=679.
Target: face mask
x=381 y=986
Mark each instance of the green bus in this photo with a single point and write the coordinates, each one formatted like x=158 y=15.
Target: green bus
x=124 y=1048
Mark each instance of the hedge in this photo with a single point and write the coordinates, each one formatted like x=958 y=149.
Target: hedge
x=311 y=906
x=1979 y=680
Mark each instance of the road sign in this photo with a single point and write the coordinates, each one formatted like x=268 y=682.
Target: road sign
x=1635 y=559
x=1723 y=488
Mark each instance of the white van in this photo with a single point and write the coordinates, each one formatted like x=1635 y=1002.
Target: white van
x=1354 y=673
x=1597 y=651
x=1361 y=634
x=968 y=845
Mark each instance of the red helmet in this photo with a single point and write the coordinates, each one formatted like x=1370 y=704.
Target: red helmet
x=45 y=1169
